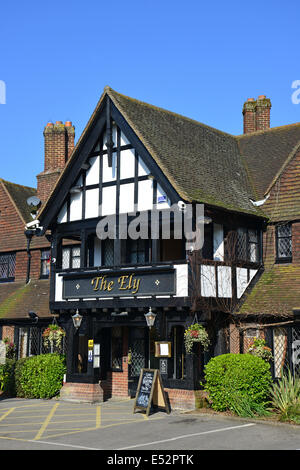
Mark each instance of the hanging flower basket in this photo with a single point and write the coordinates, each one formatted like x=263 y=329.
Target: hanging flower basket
x=53 y=335
x=195 y=334
x=258 y=348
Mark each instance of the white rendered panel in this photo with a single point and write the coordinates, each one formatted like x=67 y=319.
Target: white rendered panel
x=181 y=280
x=58 y=288
x=62 y=215
x=218 y=234
x=92 y=174
x=109 y=173
x=109 y=200
x=126 y=198
x=145 y=195
x=208 y=281
x=91 y=203
x=142 y=168
x=127 y=164
x=124 y=140
x=76 y=206
x=224 y=281
x=241 y=279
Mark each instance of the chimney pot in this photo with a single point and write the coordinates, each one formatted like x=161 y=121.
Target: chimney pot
x=68 y=123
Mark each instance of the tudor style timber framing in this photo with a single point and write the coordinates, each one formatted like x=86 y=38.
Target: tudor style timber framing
x=182 y=160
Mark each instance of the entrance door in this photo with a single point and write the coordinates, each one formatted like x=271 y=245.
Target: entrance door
x=138 y=340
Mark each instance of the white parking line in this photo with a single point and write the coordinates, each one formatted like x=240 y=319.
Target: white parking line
x=185 y=436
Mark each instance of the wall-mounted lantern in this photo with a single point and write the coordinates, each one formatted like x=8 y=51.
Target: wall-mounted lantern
x=150 y=318
x=77 y=318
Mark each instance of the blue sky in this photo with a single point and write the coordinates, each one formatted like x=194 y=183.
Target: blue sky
x=199 y=59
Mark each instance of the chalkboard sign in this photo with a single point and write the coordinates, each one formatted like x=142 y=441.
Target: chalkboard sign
x=150 y=390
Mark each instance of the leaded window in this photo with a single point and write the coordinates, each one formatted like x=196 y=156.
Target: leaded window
x=247 y=245
x=45 y=264
x=284 y=243
x=137 y=251
x=71 y=257
x=7 y=267
x=107 y=252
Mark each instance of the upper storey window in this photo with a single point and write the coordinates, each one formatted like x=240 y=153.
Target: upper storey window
x=284 y=243
x=45 y=264
x=7 y=267
x=71 y=257
x=243 y=245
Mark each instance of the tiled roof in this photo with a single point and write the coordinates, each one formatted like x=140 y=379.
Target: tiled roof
x=19 y=195
x=266 y=152
x=202 y=163
x=276 y=292
x=18 y=298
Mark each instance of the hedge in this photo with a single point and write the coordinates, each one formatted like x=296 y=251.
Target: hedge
x=7 y=380
x=39 y=376
x=232 y=376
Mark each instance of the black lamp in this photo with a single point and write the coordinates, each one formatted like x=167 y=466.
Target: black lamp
x=150 y=318
x=77 y=318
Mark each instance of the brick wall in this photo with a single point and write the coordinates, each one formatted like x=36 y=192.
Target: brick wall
x=185 y=399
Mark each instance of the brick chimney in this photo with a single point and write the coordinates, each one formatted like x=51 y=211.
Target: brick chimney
x=263 y=108
x=249 y=112
x=58 y=144
x=256 y=114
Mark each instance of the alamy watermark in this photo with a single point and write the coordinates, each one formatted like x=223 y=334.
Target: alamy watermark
x=2 y=92
x=296 y=94
x=174 y=222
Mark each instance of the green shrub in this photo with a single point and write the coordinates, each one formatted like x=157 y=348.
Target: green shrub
x=285 y=396
x=245 y=407
x=233 y=377
x=18 y=376
x=7 y=383
x=291 y=413
x=40 y=376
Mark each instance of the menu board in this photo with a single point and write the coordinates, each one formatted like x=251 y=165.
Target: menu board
x=150 y=390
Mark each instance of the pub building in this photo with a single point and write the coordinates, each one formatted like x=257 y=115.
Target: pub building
x=132 y=155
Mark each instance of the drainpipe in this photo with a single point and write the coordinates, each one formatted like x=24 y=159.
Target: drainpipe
x=29 y=235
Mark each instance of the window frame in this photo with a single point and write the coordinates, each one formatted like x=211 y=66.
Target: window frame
x=243 y=233
x=8 y=278
x=45 y=250
x=138 y=247
x=71 y=257
x=283 y=259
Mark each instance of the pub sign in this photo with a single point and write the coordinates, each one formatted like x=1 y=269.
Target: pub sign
x=119 y=284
